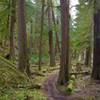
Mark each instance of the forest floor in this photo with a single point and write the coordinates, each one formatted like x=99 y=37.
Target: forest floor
x=44 y=85
x=85 y=90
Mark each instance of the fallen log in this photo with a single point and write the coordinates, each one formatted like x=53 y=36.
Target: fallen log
x=12 y=66
x=52 y=69
x=38 y=74
x=80 y=73
x=7 y=61
x=36 y=86
x=33 y=86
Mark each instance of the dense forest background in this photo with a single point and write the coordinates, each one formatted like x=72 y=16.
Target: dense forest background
x=46 y=53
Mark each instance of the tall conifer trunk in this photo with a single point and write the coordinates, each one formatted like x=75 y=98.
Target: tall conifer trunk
x=41 y=34
x=51 y=44
x=96 y=53
x=64 y=63
x=22 y=38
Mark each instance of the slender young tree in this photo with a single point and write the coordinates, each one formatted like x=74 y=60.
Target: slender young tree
x=11 y=26
x=96 y=53
x=41 y=34
x=88 y=56
x=51 y=45
x=31 y=36
x=64 y=63
x=22 y=38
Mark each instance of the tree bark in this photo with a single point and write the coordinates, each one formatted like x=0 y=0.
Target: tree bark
x=57 y=37
x=22 y=38
x=64 y=61
x=51 y=45
x=96 y=53
x=31 y=37
x=11 y=27
x=41 y=34
x=88 y=56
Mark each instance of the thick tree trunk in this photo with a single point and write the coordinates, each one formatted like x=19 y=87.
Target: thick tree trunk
x=11 y=27
x=64 y=64
x=22 y=36
x=51 y=45
x=96 y=53
x=41 y=34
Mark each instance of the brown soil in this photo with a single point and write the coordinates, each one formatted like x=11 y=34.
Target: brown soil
x=89 y=92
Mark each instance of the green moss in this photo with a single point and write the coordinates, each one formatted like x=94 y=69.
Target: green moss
x=10 y=76
x=22 y=94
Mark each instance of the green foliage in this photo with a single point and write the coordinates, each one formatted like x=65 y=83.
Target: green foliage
x=22 y=94
x=4 y=13
x=13 y=84
x=81 y=31
x=71 y=85
x=11 y=77
x=35 y=58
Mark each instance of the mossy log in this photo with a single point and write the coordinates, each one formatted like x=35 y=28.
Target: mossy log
x=10 y=76
x=80 y=73
x=7 y=62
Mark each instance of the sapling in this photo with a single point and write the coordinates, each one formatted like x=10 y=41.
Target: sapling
x=71 y=85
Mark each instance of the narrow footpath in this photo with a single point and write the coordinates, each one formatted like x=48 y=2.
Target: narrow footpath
x=51 y=90
x=91 y=92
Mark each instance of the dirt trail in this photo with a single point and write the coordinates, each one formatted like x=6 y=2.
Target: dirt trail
x=51 y=91
x=91 y=92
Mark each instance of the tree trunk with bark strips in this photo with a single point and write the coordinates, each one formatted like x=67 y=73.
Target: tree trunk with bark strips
x=51 y=45
x=22 y=36
x=64 y=63
x=41 y=35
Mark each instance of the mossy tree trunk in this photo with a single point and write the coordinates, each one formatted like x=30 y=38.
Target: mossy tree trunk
x=41 y=34
x=22 y=38
x=50 y=32
x=11 y=26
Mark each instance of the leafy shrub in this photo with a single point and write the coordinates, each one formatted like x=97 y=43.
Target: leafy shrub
x=71 y=85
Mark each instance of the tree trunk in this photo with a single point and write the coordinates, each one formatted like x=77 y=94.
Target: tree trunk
x=64 y=63
x=96 y=53
x=87 y=56
x=41 y=34
x=11 y=27
x=57 y=37
x=51 y=45
x=31 y=37
x=22 y=36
